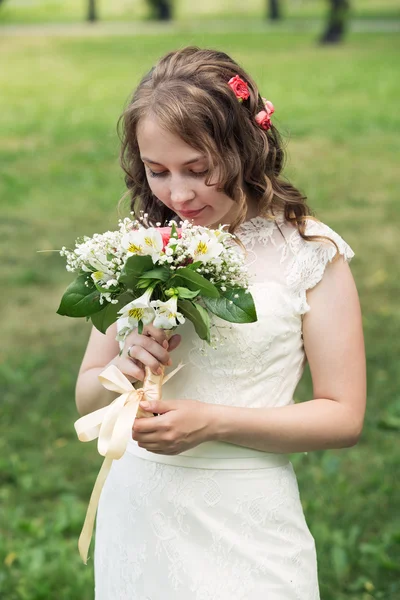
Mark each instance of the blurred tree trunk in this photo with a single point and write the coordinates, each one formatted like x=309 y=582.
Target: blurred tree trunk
x=92 y=12
x=161 y=10
x=337 y=21
x=273 y=8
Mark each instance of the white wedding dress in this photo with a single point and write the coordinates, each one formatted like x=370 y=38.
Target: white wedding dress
x=220 y=521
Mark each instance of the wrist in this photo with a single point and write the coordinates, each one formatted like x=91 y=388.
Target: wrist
x=215 y=429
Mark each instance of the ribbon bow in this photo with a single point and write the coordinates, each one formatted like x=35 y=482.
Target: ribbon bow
x=112 y=425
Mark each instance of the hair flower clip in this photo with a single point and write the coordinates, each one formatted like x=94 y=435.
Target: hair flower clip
x=263 y=118
x=239 y=88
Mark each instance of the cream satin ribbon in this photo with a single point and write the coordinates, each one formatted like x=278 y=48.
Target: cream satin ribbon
x=112 y=425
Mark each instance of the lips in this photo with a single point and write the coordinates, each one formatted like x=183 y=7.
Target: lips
x=190 y=213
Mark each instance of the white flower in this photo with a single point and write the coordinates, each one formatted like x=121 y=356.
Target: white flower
x=167 y=315
x=102 y=277
x=101 y=253
x=132 y=313
x=204 y=247
x=143 y=242
x=222 y=235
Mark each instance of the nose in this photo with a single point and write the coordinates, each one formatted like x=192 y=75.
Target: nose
x=181 y=192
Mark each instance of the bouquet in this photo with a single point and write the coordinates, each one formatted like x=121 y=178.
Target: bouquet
x=140 y=274
x=161 y=275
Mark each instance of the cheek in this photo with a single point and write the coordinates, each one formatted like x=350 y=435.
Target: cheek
x=157 y=187
x=217 y=199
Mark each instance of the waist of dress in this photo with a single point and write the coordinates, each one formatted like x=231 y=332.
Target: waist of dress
x=214 y=455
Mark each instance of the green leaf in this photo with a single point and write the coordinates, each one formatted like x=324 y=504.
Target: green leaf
x=234 y=310
x=161 y=273
x=174 y=231
x=143 y=284
x=195 y=265
x=205 y=317
x=106 y=317
x=199 y=317
x=185 y=293
x=194 y=281
x=80 y=300
x=134 y=267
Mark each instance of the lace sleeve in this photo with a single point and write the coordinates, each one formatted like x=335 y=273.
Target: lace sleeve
x=309 y=260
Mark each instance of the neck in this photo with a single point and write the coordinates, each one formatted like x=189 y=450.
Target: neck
x=252 y=211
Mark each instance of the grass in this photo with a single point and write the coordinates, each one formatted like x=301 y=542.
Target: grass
x=69 y=11
x=60 y=102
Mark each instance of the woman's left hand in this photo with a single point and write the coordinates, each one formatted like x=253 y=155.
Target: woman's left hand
x=180 y=425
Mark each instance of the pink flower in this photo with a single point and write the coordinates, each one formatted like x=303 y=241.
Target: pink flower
x=269 y=107
x=263 y=118
x=239 y=88
x=166 y=234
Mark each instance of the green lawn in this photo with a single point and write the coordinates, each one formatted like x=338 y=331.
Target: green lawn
x=44 y=11
x=59 y=104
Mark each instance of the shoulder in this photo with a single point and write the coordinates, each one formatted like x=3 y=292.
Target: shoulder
x=324 y=240
x=310 y=257
x=324 y=236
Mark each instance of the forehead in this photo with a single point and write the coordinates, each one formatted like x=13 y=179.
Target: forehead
x=158 y=143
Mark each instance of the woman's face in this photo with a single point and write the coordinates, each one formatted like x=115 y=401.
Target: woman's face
x=176 y=174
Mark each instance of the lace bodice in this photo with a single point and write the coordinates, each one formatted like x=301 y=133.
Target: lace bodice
x=259 y=364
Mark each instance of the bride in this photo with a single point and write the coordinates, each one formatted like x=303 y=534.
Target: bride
x=204 y=504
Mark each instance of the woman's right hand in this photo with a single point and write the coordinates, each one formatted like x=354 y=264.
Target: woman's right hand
x=151 y=349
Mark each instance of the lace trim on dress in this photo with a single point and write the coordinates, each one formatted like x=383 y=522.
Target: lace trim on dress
x=306 y=261
x=309 y=259
x=258 y=229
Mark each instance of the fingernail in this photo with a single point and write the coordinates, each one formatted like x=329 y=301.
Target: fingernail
x=144 y=404
x=165 y=344
x=169 y=363
x=159 y=371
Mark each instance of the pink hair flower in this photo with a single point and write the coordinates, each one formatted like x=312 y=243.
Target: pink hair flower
x=263 y=118
x=239 y=88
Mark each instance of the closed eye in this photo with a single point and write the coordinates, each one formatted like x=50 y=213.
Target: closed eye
x=199 y=173
x=163 y=173
x=154 y=174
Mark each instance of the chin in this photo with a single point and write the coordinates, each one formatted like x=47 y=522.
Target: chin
x=202 y=219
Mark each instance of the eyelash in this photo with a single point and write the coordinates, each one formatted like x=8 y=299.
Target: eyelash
x=194 y=174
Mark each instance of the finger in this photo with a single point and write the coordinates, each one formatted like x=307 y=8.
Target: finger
x=152 y=347
x=133 y=370
x=156 y=333
x=147 y=437
x=149 y=332
x=174 y=342
x=156 y=448
x=153 y=447
x=143 y=426
x=157 y=406
x=140 y=353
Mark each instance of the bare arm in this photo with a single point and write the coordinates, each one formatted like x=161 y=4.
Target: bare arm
x=334 y=345
x=149 y=349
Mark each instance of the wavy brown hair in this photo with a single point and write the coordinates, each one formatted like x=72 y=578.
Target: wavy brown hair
x=188 y=94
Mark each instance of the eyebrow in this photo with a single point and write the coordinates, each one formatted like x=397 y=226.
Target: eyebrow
x=189 y=162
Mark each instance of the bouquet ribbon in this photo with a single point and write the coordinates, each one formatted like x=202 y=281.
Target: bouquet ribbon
x=112 y=425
